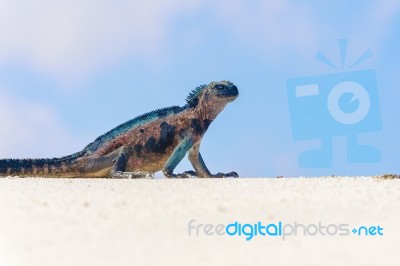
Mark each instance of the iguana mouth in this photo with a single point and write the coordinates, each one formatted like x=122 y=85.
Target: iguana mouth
x=230 y=92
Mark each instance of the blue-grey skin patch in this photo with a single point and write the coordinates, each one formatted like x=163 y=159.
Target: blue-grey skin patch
x=177 y=155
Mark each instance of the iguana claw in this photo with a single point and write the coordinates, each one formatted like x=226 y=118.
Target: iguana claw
x=222 y=175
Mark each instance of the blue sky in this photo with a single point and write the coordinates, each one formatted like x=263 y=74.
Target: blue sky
x=72 y=70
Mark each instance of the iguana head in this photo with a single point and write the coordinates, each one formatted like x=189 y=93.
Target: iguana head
x=212 y=98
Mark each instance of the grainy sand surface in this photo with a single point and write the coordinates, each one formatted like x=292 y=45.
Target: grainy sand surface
x=145 y=222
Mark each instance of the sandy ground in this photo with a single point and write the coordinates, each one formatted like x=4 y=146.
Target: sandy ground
x=145 y=222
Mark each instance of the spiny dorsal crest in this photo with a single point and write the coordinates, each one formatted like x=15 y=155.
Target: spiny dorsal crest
x=193 y=98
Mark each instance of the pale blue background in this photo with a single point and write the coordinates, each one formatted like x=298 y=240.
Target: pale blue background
x=71 y=70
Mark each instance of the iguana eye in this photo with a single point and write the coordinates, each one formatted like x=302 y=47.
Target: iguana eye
x=219 y=87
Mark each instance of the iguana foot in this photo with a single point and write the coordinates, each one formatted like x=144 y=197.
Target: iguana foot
x=193 y=174
x=222 y=175
x=130 y=175
x=186 y=174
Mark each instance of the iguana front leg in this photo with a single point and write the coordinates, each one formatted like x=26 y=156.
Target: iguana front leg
x=201 y=168
x=177 y=155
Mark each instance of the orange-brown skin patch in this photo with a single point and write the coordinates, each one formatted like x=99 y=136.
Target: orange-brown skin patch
x=148 y=160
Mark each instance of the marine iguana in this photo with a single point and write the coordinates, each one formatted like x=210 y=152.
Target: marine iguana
x=154 y=141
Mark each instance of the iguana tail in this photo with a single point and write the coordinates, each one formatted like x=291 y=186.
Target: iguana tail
x=56 y=167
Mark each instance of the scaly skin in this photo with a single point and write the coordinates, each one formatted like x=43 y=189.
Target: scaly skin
x=142 y=146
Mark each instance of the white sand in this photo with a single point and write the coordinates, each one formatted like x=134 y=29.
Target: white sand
x=145 y=222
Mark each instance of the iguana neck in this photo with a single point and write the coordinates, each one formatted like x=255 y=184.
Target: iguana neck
x=208 y=111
